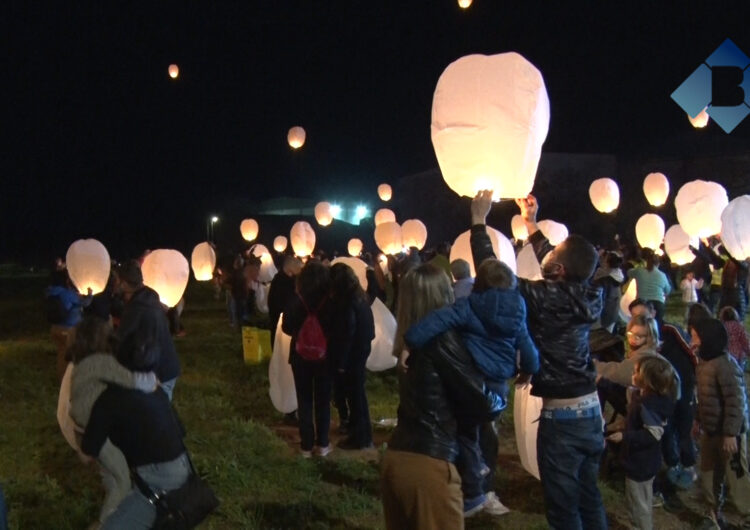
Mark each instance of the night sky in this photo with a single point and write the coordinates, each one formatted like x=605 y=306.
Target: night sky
x=100 y=142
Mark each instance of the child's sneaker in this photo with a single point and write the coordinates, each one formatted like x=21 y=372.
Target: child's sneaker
x=474 y=506
x=323 y=451
x=493 y=506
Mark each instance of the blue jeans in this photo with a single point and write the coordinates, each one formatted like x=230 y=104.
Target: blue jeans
x=568 y=453
x=135 y=511
x=677 y=442
x=3 y=512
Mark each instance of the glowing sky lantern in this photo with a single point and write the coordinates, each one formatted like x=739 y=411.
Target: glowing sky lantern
x=464 y=4
x=303 y=238
x=166 y=271
x=518 y=228
x=354 y=246
x=323 y=214
x=267 y=267
x=700 y=120
x=174 y=71
x=296 y=137
x=735 y=227
x=249 y=229
x=500 y=244
x=605 y=195
x=279 y=243
x=699 y=204
x=358 y=266
x=555 y=232
x=203 y=261
x=384 y=192
x=388 y=237
x=414 y=233
x=88 y=265
x=649 y=231
x=490 y=116
x=384 y=215
x=677 y=244
x=656 y=188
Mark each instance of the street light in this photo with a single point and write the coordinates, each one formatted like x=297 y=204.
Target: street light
x=210 y=227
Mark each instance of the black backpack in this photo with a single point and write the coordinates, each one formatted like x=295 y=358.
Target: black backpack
x=55 y=308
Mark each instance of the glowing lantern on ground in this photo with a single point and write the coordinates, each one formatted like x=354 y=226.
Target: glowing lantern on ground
x=605 y=195
x=303 y=238
x=354 y=246
x=414 y=233
x=677 y=244
x=88 y=265
x=388 y=237
x=735 y=227
x=700 y=120
x=463 y=4
x=174 y=71
x=518 y=228
x=249 y=229
x=699 y=204
x=166 y=271
x=656 y=188
x=649 y=231
x=384 y=215
x=203 y=261
x=267 y=267
x=323 y=214
x=279 y=243
x=490 y=116
x=528 y=265
x=555 y=232
x=384 y=192
x=358 y=266
x=500 y=244
x=296 y=137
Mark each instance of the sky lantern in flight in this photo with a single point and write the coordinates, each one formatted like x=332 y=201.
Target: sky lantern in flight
x=500 y=244
x=649 y=231
x=302 y=236
x=735 y=227
x=249 y=229
x=490 y=116
x=700 y=120
x=699 y=204
x=414 y=234
x=555 y=232
x=323 y=214
x=203 y=261
x=174 y=71
x=384 y=215
x=388 y=237
x=677 y=245
x=656 y=188
x=166 y=271
x=605 y=195
x=267 y=267
x=88 y=265
x=296 y=137
x=354 y=246
x=464 y=4
x=279 y=243
x=384 y=192
x=518 y=228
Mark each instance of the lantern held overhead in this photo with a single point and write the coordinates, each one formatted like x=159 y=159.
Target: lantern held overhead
x=384 y=215
x=174 y=71
x=323 y=214
x=518 y=228
x=166 y=271
x=656 y=188
x=354 y=246
x=88 y=265
x=699 y=204
x=279 y=243
x=649 y=231
x=296 y=137
x=249 y=229
x=388 y=237
x=677 y=245
x=605 y=195
x=735 y=227
x=414 y=234
x=267 y=267
x=203 y=261
x=384 y=192
x=555 y=232
x=303 y=238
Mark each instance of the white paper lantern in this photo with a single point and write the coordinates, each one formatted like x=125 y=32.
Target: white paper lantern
x=281 y=387
x=174 y=71
x=656 y=188
x=735 y=227
x=388 y=237
x=604 y=195
x=699 y=204
x=296 y=137
x=700 y=120
x=649 y=231
x=528 y=265
x=490 y=116
x=323 y=214
x=249 y=229
x=279 y=243
x=267 y=267
x=384 y=192
x=88 y=265
x=500 y=244
x=631 y=291
x=555 y=232
x=526 y=412
x=414 y=233
x=166 y=271
x=354 y=246
x=203 y=261
x=381 y=348
x=677 y=244
x=303 y=238
x=518 y=228
x=384 y=215
x=358 y=266
x=464 y=4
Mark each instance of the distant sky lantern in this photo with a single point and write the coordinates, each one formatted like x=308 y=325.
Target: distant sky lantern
x=384 y=192
x=735 y=227
x=303 y=238
x=649 y=231
x=700 y=120
x=279 y=243
x=388 y=237
x=296 y=137
x=677 y=244
x=490 y=116
x=203 y=261
x=656 y=188
x=555 y=232
x=518 y=228
x=384 y=215
x=88 y=265
x=604 y=195
x=464 y=4
x=358 y=266
x=414 y=233
x=500 y=244
x=166 y=271
x=323 y=214
x=174 y=71
x=249 y=229
x=699 y=204
x=354 y=246
x=267 y=267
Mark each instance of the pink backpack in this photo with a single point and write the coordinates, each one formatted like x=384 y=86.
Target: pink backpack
x=311 y=343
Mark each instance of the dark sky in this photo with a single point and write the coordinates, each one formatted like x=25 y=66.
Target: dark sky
x=100 y=142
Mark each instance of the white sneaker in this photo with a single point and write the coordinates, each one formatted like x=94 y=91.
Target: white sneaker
x=323 y=451
x=493 y=506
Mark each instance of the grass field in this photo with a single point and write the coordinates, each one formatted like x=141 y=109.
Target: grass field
x=234 y=435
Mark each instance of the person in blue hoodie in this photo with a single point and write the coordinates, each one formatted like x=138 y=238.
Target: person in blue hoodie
x=64 y=311
x=492 y=324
